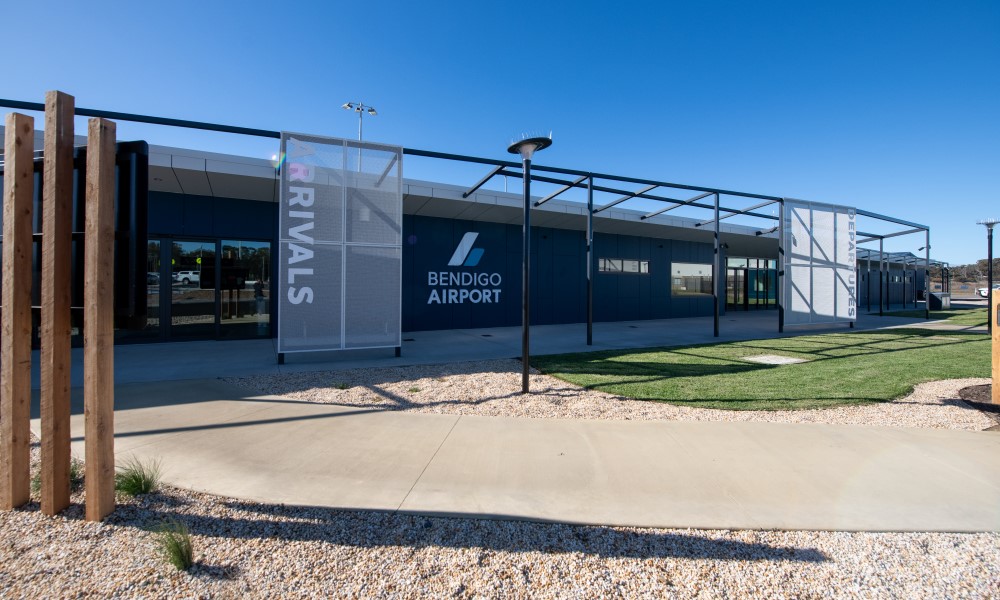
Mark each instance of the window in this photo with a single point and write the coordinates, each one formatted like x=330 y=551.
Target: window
x=751 y=263
x=690 y=279
x=620 y=265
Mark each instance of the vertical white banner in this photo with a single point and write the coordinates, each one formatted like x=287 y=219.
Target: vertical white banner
x=820 y=283
x=340 y=244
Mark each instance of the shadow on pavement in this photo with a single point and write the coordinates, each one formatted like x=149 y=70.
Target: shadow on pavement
x=248 y=520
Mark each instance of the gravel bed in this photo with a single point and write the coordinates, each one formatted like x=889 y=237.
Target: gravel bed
x=246 y=549
x=253 y=550
x=492 y=388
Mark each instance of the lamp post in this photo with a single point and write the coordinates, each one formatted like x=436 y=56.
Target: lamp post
x=526 y=148
x=361 y=108
x=989 y=223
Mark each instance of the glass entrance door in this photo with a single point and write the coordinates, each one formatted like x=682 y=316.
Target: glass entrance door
x=751 y=283
x=736 y=293
x=245 y=289
x=193 y=288
x=209 y=289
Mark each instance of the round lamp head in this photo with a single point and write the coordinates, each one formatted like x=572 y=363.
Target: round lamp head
x=989 y=223
x=528 y=146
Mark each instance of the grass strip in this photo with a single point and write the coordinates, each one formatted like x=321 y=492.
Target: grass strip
x=842 y=369
x=956 y=316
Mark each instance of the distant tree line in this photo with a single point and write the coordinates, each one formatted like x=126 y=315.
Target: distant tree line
x=970 y=273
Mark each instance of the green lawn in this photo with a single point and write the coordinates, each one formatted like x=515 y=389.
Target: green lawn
x=843 y=368
x=955 y=316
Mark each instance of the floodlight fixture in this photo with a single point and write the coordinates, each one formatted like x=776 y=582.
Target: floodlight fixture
x=526 y=148
x=361 y=108
x=989 y=224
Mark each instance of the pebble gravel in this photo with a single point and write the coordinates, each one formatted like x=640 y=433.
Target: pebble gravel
x=249 y=550
x=252 y=550
x=492 y=388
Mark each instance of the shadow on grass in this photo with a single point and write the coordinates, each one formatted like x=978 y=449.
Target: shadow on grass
x=616 y=362
x=639 y=371
x=499 y=533
x=806 y=402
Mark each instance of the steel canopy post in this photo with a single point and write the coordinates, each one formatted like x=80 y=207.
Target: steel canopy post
x=715 y=274
x=905 y=294
x=590 y=261
x=780 y=292
x=927 y=275
x=881 y=287
x=868 y=279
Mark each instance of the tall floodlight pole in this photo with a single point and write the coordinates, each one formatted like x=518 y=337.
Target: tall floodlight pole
x=989 y=223
x=526 y=148
x=361 y=108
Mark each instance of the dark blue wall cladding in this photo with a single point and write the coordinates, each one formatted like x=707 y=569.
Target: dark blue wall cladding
x=894 y=290
x=558 y=276
x=558 y=272
x=204 y=216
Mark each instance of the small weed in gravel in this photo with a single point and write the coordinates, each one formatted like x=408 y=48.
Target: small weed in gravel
x=135 y=477
x=341 y=386
x=414 y=390
x=75 y=477
x=174 y=542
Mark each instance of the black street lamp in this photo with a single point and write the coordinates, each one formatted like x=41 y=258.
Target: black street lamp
x=989 y=223
x=526 y=148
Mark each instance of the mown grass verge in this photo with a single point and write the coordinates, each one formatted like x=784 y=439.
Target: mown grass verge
x=842 y=369
x=955 y=316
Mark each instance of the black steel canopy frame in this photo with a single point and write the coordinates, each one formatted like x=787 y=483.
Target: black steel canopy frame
x=582 y=179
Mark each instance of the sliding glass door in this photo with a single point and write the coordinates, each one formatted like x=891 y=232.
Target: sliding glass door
x=209 y=289
x=192 y=288
x=245 y=289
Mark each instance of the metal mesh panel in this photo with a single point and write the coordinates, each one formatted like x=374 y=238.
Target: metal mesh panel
x=341 y=204
x=310 y=306
x=372 y=299
x=820 y=283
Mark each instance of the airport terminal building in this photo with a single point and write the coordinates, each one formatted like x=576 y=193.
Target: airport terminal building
x=199 y=237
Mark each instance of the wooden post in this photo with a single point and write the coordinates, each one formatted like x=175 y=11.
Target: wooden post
x=98 y=324
x=15 y=341
x=995 y=318
x=57 y=216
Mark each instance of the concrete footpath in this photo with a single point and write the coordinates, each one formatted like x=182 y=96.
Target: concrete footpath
x=214 y=437
x=206 y=359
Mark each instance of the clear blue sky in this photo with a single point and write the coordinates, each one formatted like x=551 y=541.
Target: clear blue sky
x=889 y=106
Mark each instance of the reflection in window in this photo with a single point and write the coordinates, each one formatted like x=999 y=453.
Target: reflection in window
x=751 y=263
x=620 y=265
x=690 y=279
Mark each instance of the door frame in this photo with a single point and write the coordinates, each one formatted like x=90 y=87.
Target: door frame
x=166 y=292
